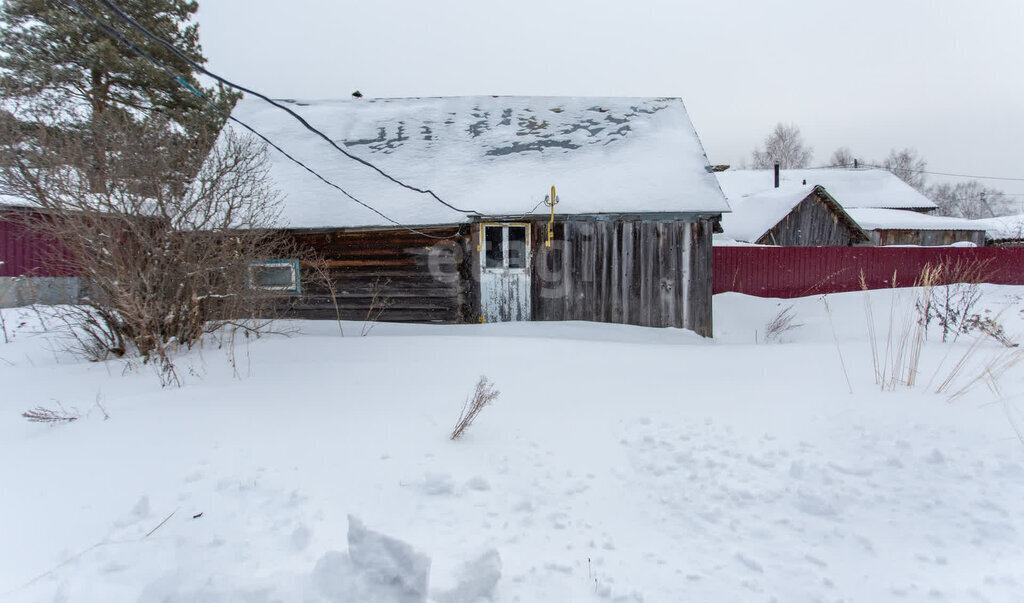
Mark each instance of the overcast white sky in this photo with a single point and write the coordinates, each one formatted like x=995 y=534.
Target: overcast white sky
x=945 y=77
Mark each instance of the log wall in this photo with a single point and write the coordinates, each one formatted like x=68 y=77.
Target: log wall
x=387 y=275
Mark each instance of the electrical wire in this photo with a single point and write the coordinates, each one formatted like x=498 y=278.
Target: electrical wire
x=916 y=171
x=951 y=175
x=196 y=66
x=132 y=46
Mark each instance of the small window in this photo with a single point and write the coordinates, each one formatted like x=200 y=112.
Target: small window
x=493 y=239
x=275 y=275
x=517 y=247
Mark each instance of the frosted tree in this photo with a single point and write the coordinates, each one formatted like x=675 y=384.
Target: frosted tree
x=843 y=157
x=908 y=166
x=970 y=199
x=784 y=146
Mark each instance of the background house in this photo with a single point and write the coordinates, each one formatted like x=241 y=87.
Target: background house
x=794 y=216
x=630 y=241
x=876 y=208
x=899 y=227
x=1003 y=231
x=853 y=188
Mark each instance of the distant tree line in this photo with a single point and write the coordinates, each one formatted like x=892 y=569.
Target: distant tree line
x=969 y=199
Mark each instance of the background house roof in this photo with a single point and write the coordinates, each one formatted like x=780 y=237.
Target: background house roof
x=755 y=214
x=852 y=188
x=1003 y=228
x=895 y=219
x=495 y=156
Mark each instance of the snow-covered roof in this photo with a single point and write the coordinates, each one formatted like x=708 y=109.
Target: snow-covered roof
x=1003 y=228
x=852 y=188
x=755 y=214
x=899 y=219
x=494 y=156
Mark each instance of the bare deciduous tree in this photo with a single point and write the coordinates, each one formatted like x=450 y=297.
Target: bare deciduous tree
x=908 y=166
x=843 y=157
x=971 y=200
x=166 y=258
x=784 y=146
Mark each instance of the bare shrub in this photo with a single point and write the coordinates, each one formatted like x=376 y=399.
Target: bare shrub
x=956 y=292
x=483 y=395
x=989 y=326
x=377 y=306
x=320 y=269
x=41 y=414
x=782 y=323
x=166 y=255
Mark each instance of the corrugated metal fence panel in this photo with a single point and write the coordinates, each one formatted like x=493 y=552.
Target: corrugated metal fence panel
x=27 y=253
x=800 y=271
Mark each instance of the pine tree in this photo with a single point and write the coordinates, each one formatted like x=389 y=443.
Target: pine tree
x=50 y=51
x=60 y=70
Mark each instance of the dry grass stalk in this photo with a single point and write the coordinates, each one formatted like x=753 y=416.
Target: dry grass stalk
x=991 y=373
x=483 y=395
x=1012 y=421
x=958 y=367
x=929 y=276
x=779 y=325
x=872 y=336
x=905 y=336
x=835 y=338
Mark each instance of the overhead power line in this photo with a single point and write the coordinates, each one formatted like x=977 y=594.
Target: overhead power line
x=135 y=48
x=948 y=174
x=196 y=66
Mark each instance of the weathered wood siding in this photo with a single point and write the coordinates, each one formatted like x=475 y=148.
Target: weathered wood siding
x=643 y=272
x=387 y=275
x=926 y=238
x=813 y=223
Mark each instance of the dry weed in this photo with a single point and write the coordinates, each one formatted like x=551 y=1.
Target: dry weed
x=782 y=323
x=483 y=395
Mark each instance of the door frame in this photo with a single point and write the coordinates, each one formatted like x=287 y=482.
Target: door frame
x=524 y=273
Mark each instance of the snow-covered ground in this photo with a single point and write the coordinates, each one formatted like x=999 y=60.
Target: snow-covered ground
x=618 y=463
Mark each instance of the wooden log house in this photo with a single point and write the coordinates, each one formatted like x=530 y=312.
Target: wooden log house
x=800 y=216
x=627 y=241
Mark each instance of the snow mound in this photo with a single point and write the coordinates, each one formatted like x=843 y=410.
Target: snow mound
x=477 y=580
x=376 y=568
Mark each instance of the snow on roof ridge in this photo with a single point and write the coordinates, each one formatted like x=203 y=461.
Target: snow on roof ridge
x=1003 y=228
x=851 y=187
x=881 y=218
x=497 y=155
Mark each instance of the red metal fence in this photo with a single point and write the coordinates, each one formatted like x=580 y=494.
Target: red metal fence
x=24 y=252
x=801 y=271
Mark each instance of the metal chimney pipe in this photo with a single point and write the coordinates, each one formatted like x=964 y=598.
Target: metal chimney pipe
x=776 y=175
